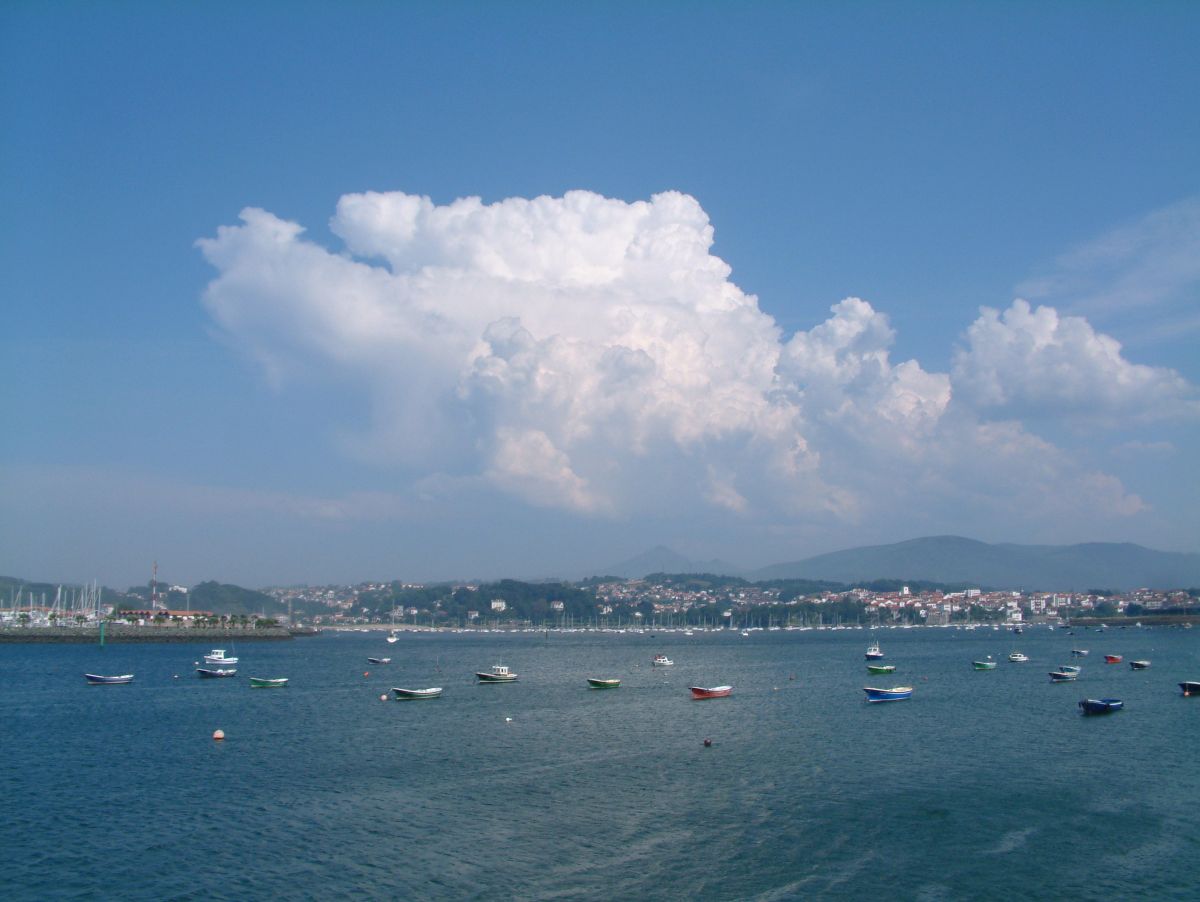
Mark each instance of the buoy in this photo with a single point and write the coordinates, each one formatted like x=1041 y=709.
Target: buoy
x=383 y=698
x=176 y=676
x=219 y=735
x=708 y=743
x=508 y=720
x=366 y=673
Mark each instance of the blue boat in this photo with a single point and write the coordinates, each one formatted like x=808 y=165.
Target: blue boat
x=1063 y=676
x=895 y=694
x=1101 y=705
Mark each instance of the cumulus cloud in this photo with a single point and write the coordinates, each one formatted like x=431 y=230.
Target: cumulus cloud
x=1034 y=361
x=592 y=355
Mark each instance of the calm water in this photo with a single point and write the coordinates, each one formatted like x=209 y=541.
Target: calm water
x=984 y=785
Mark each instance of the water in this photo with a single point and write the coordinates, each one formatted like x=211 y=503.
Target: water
x=984 y=785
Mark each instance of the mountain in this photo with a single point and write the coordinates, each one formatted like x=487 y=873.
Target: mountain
x=661 y=559
x=953 y=559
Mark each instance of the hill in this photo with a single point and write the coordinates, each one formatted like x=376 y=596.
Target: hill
x=953 y=559
x=661 y=559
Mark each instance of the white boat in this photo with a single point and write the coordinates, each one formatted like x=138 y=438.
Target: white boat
x=498 y=674
x=661 y=661
x=1017 y=658
x=407 y=694
x=874 y=652
x=218 y=656
x=392 y=637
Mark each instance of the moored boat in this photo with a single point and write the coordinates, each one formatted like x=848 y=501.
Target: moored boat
x=1112 y=659
x=1139 y=665
x=379 y=660
x=874 y=652
x=268 y=682
x=1017 y=658
x=895 y=694
x=986 y=664
x=1079 y=652
x=1070 y=668
x=215 y=672
x=661 y=661
x=596 y=683
x=217 y=656
x=1100 y=705
x=498 y=674
x=710 y=691
x=1190 y=687
x=411 y=694
x=881 y=668
x=1063 y=676
x=96 y=679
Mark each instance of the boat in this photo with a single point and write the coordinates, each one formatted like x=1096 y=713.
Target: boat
x=392 y=637
x=1112 y=659
x=1063 y=676
x=595 y=683
x=710 y=692
x=411 y=694
x=213 y=672
x=874 y=652
x=1079 y=652
x=1139 y=665
x=498 y=674
x=986 y=664
x=379 y=660
x=96 y=679
x=1017 y=658
x=1101 y=705
x=267 y=682
x=1069 y=668
x=661 y=661
x=217 y=656
x=1190 y=687
x=881 y=668
x=895 y=694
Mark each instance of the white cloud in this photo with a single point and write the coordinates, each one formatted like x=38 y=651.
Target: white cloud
x=592 y=355
x=1028 y=361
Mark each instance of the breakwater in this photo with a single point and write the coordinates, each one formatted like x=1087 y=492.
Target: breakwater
x=122 y=633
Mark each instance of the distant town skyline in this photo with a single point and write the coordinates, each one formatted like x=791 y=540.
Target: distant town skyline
x=427 y=292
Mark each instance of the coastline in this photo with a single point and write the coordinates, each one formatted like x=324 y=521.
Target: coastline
x=126 y=633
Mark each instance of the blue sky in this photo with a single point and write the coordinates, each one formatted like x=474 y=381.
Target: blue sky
x=444 y=388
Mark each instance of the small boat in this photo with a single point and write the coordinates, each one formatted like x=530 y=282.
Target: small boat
x=1063 y=676
x=874 y=652
x=1079 y=652
x=1101 y=705
x=895 y=694
x=498 y=674
x=1139 y=665
x=595 y=683
x=379 y=660
x=662 y=661
x=1070 y=668
x=881 y=668
x=986 y=664
x=410 y=694
x=1190 y=687
x=213 y=672
x=1017 y=658
x=267 y=683
x=1112 y=659
x=710 y=692
x=392 y=637
x=217 y=656
x=96 y=679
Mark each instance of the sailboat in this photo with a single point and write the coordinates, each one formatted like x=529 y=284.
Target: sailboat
x=392 y=637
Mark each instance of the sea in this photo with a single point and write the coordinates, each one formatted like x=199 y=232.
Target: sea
x=985 y=785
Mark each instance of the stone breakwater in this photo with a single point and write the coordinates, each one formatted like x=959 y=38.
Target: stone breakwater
x=119 y=633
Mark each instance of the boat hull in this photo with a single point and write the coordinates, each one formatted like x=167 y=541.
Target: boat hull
x=265 y=683
x=699 y=692
x=1100 y=705
x=984 y=665
x=895 y=694
x=379 y=660
x=416 y=694
x=1112 y=659
x=603 y=684
x=1139 y=665
x=1062 y=676
x=96 y=679
x=881 y=668
x=208 y=673
x=494 y=678
x=1190 y=687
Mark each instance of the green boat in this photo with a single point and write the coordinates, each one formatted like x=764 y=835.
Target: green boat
x=986 y=664
x=264 y=683
x=603 y=684
x=881 y=668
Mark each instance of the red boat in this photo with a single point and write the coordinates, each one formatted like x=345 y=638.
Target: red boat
x=713 y=692
x=1112 y=659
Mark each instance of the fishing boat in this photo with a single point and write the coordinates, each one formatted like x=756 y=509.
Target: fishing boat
x=595 y=683
x=874 y=652
x=710 y=692
x=1079 y=652
x=895 y=694
x=412 y=694
x=379 y=660
x=215 y=672
x=498 y=674
x=881 y=668
x=267 y=682
x=1139 y=665
x=96 y=679
x=217 y=656
x=1017 y=658
x=986 y=664
x=1101 y=705
x=662 y=661
x=1063 y=676
x=1190 y=687
x=1112 y=659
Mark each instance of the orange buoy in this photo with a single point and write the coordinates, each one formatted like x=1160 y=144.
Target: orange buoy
x=366 y=673
x=219 y=735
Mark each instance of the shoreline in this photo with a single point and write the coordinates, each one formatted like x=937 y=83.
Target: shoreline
x=122 y=634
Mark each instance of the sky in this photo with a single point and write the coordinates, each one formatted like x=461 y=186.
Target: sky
x=331 y=292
